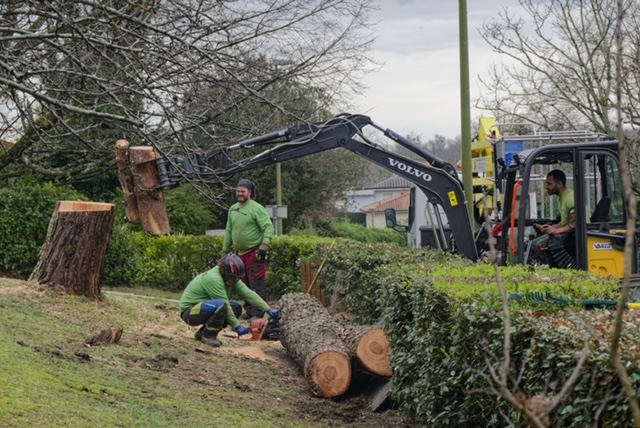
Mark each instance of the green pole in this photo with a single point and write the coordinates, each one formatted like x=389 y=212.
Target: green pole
x=465 y=109
x=278 y=197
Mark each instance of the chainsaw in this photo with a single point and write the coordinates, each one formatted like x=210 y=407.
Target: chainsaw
x=263 y=329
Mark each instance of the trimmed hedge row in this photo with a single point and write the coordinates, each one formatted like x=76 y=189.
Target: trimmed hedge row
x=445 y=324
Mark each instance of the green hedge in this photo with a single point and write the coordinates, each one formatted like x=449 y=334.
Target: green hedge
x=443 y=329
x=170 y=262
x=25 y=212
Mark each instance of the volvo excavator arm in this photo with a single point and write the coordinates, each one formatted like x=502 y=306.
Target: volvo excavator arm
x=435 y=177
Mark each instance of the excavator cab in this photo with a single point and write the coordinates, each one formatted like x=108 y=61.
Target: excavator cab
x=599 y=217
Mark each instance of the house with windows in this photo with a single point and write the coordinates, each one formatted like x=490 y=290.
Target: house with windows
x=392 y=192
x=375 y=212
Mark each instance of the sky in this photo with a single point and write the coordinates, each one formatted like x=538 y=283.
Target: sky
x=417 y=90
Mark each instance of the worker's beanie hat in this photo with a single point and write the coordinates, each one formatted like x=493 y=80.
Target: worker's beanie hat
x=247 y=184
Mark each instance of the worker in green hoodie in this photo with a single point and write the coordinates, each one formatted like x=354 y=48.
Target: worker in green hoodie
x=206 y=300
x=249 y=231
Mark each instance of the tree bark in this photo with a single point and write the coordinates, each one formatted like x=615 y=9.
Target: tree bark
x=369 y=344
x=126 y=181
x=140 y=181
x=74 y=253
x=309 y=335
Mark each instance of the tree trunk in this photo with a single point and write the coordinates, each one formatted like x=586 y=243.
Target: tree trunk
x=140 y=180
x=309 y=335
x=74 y=252
x=369 y=344
x=126 y=181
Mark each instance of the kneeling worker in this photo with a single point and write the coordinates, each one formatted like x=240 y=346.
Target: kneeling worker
x=206 y=302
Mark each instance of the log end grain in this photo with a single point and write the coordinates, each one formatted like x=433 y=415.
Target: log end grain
x=329 y=374
x=82 y=206
x=373 y=351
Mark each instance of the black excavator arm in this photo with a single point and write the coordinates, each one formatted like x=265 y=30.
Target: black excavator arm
x=435 y=177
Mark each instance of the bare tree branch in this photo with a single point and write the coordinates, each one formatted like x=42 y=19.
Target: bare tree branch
x=182 y=75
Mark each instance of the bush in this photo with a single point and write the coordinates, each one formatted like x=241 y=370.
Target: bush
x=459 y=334
x=360 y=233
x=125 y=257
x=170 y=262
x=25 y=212
x=188 y=213
x=352 y=231
x=285 y=254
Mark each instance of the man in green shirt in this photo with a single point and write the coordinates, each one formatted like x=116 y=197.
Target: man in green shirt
x=249 y=231
x=556 y=184
x=206 y=300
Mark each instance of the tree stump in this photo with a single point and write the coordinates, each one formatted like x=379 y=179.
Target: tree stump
x=369 y=344
x=309 y=335
x=74 y=252
x=140 y=181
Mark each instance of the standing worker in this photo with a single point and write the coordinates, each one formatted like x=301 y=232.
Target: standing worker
x=249 y=231
x=206 y=302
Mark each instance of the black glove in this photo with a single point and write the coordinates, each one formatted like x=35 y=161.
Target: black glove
x=261 y=254
x=274 y=313
x=242 y=330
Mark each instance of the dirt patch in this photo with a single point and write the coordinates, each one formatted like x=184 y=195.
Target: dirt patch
x=9 y=286
x=254 y=352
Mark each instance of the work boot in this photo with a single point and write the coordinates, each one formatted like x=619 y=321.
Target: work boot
x=210 y=337
x=198 y=334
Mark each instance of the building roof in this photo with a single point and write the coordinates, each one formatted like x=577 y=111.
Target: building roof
x=399 y=203
x=395 y=182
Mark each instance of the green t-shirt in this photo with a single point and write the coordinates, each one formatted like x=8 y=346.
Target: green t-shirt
x=567 y=202
x=210 y=286
x=247 y=227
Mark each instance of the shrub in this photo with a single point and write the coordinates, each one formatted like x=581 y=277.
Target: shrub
x=189 y=213
x=170 y=262
x=352 y=231
x=358 y=232
x=459 y=335
x=285 y=254
x=125 y=257
x=25 y=212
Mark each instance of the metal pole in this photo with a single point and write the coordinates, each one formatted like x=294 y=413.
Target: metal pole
x=465 y=109
x=278 y=228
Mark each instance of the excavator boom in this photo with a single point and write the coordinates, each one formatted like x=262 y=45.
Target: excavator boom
x=435 y=177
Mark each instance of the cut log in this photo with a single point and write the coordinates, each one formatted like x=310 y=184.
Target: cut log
x=309 y=335
x=150 y=200
x=74 y=252
x=369 y=344
x=126 y=181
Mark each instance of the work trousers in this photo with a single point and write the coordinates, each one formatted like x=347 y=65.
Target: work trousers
x=256 y=279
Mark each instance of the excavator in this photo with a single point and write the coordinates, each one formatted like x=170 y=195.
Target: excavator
x=512 y=182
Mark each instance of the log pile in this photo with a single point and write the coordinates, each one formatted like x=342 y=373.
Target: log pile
x=331 y=354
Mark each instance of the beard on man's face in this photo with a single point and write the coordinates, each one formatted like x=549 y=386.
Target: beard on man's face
x=242 y=198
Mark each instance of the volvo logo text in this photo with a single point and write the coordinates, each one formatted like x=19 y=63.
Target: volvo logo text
x=602 y=246
x=409 y=169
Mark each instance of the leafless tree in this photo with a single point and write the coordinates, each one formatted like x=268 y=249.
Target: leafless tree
x=181 y=75
x=559 y=68
x=572 y=65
